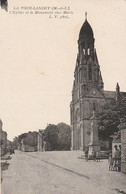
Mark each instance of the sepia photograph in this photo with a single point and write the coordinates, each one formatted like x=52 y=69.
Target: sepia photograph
x=62 y=97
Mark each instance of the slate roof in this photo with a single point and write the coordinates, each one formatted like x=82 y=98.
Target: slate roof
x=112 y=94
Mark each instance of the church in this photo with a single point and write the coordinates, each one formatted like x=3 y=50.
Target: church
x=88 y=92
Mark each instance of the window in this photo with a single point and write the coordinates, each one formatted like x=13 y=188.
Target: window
x=94 y=107
x=88 y=51
x=83 y=89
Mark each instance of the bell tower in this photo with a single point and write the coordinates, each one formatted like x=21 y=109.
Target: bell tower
x=87 y=87
x=87 y=67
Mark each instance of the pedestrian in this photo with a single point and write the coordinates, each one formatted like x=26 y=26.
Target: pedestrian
x=120 y=151
x=119 y=160
x=110 y=161
x=116 y=158
x=86 y=153
x=13 y=151
x=97 y=156
x=94 y=155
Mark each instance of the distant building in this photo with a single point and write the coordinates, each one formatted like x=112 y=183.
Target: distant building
x=3 y=140
x=9 y=145
x=88 y=92
x=123 y=150
x=122 y=128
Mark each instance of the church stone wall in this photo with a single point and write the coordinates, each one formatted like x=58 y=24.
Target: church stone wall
x=86 y=109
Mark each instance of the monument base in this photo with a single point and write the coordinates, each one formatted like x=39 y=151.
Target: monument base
x=93 y=148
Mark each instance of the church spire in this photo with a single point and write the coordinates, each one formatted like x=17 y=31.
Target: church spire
x=117 y=88
x=87 y=68
x=85 y=16
x=117 y=92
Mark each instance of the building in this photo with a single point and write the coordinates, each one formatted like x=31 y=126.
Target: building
x=88 y=92
x=123 y=148
x=3 y=140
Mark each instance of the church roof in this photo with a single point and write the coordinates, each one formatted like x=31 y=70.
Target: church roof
x=123 y=95
x=112 y=94
x=86 y=31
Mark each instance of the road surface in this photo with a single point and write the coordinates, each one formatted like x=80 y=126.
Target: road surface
x=59 y=173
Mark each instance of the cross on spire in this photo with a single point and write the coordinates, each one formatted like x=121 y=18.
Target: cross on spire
x=85 y=15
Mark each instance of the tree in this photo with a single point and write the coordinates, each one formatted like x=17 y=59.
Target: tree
x=109 y=119
x=29 y=138
x=20 y=137
x=64 y=136
x=51 y=135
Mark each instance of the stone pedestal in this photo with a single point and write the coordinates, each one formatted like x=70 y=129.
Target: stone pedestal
x=93 y=148
x=94 y=145
x=40 y=140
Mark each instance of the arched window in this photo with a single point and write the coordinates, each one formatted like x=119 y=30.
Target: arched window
x=88 y=51
x=84 y=51
x=83 y=89
x=90 y=72
x=94 y=106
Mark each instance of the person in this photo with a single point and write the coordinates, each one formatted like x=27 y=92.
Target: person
x=13 y=151
x=116 y=158
x=86 y=153
x=94 y=155
x=97 y=156
x=120 y=151
x=119 y=160
x=110 y=161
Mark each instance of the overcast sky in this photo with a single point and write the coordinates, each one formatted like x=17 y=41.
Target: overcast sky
x=38 y=58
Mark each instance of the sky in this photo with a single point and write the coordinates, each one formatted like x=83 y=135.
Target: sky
x=38 y=56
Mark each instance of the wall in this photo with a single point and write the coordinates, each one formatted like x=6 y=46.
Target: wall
x=3 y=135
x=123 y=150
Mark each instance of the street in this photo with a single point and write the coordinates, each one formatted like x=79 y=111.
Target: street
x=59 y=172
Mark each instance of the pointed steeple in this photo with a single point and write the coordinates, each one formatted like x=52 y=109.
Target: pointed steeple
x=117 y=92
x=85 y=16
x=117 y=88
x=87 y=67
x=86 y=31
